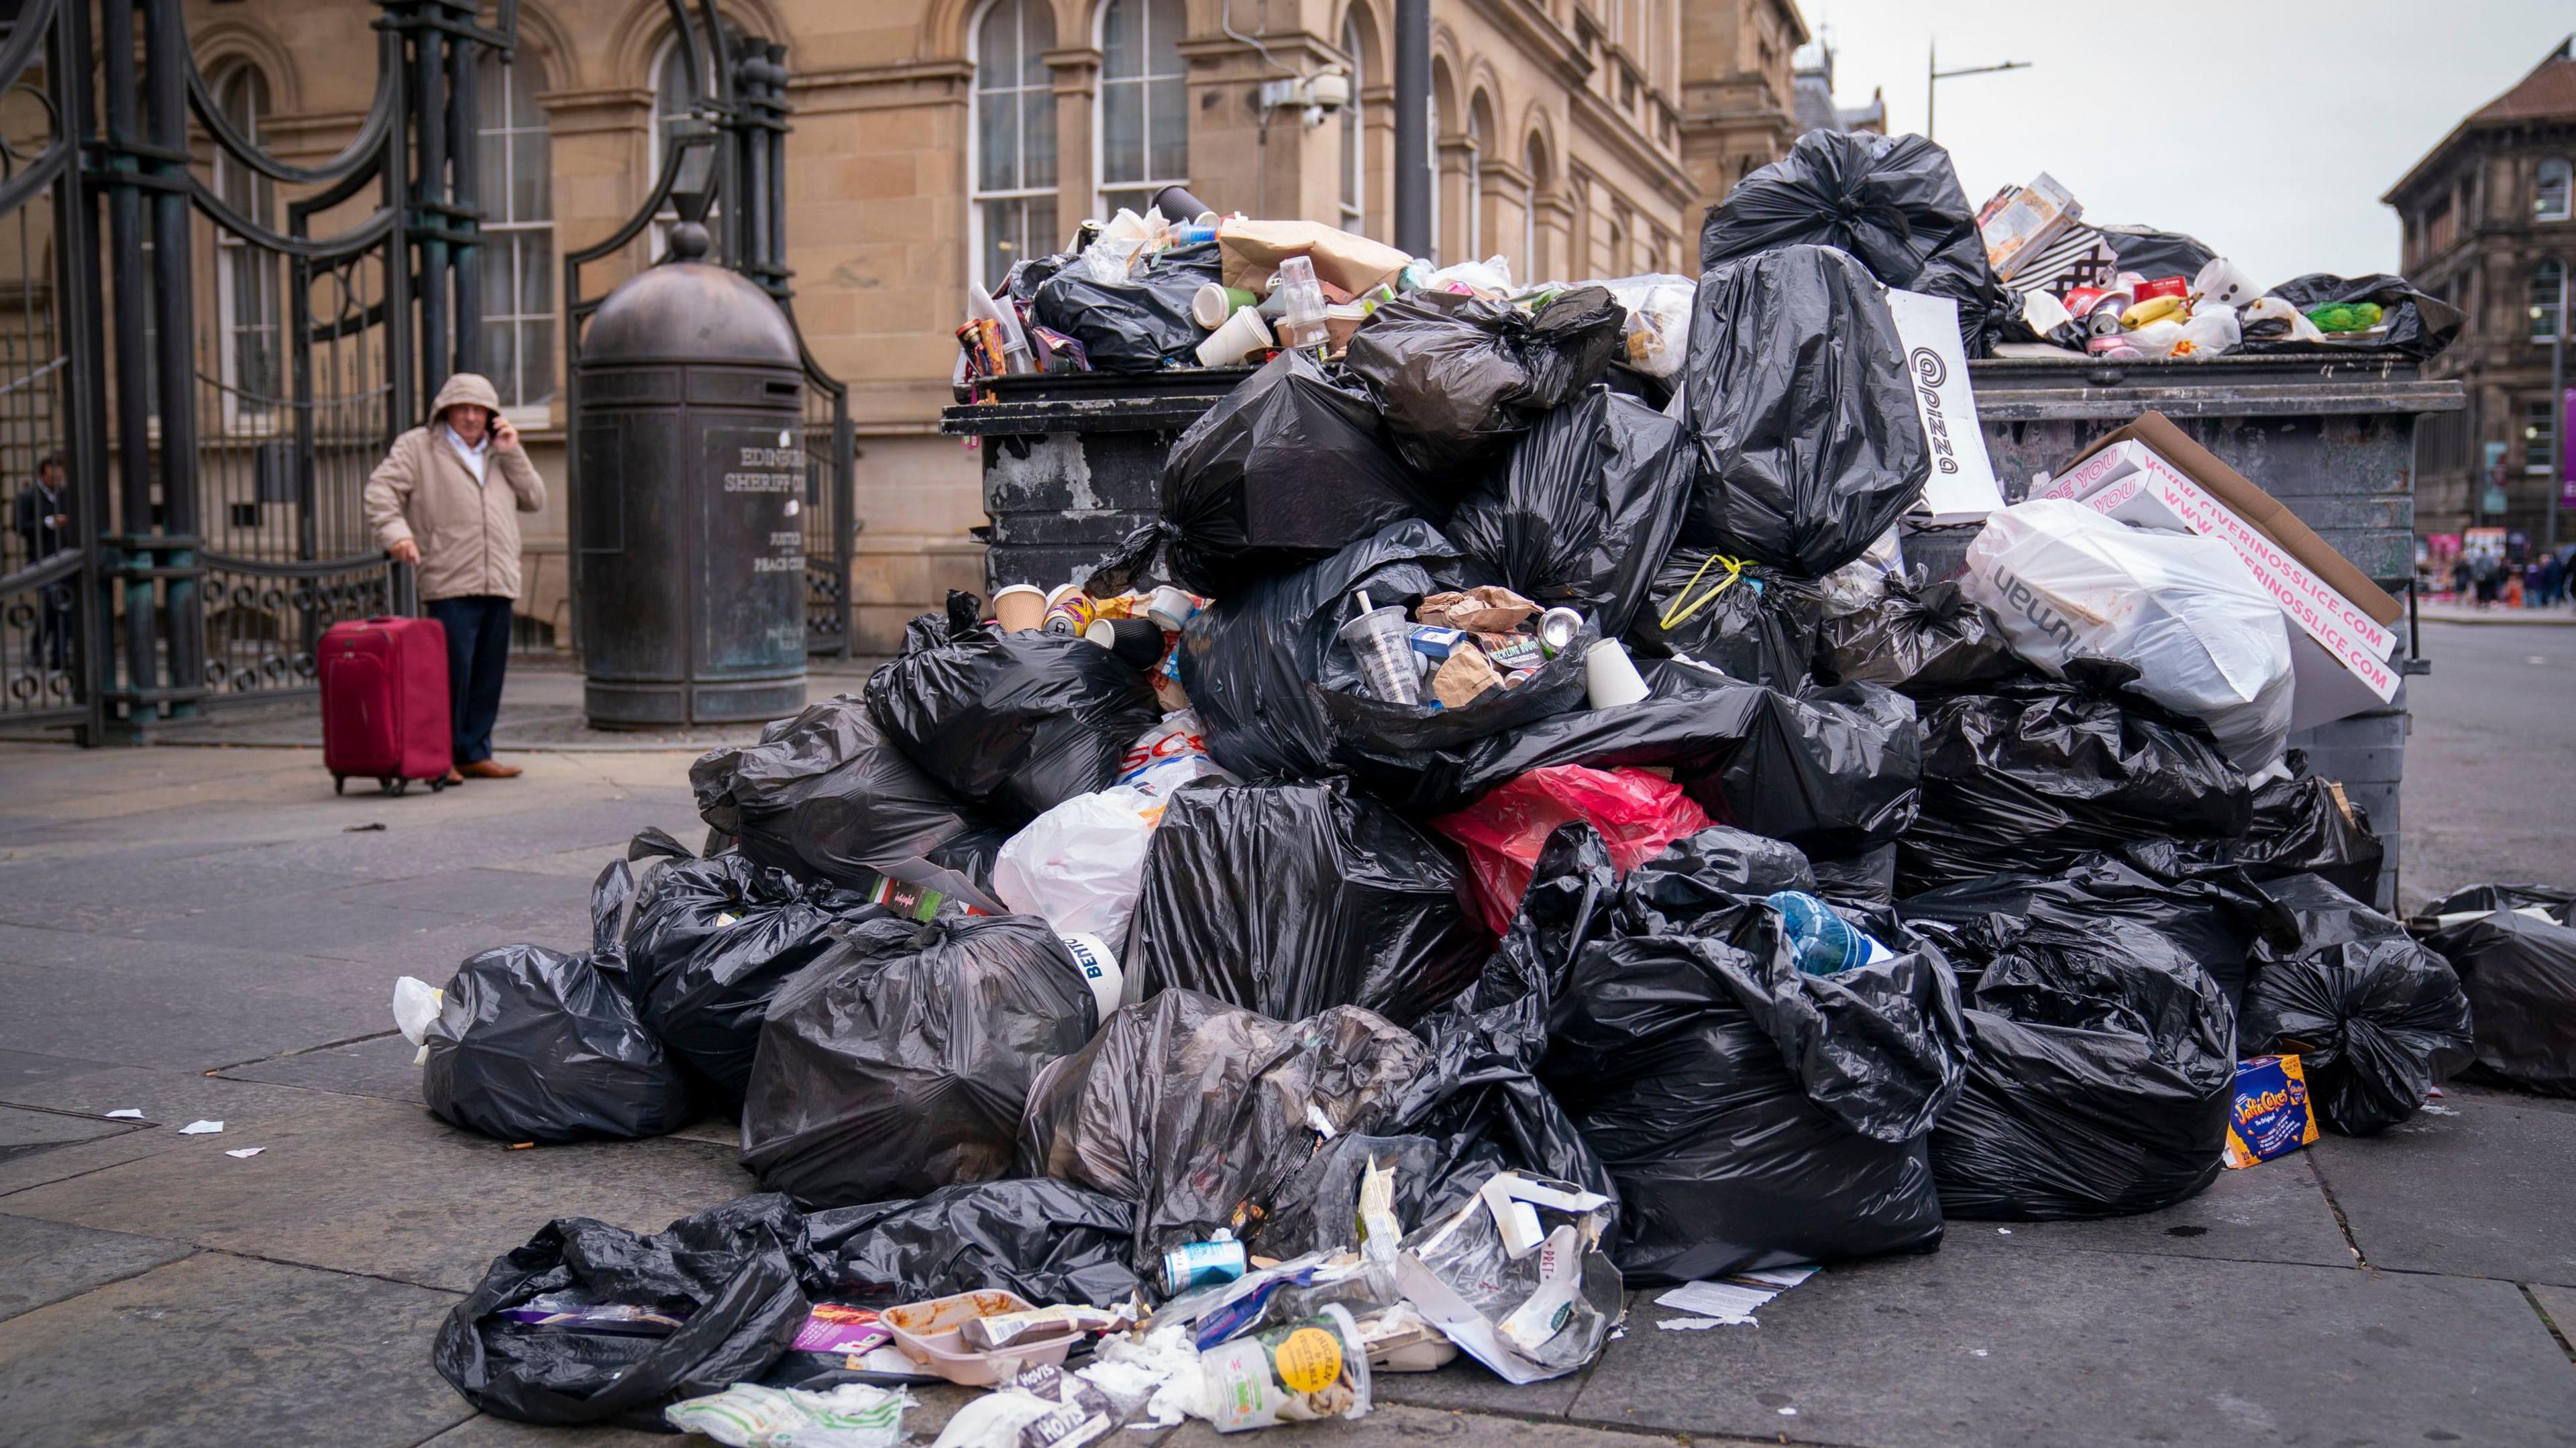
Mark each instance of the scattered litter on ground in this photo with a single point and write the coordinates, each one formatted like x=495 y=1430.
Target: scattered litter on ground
x=126 y=1113
x=201 y=1128
x=246 y=1151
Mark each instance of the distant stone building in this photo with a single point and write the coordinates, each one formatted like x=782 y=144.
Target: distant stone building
x=937 y=140
x=1813 y=82
x=2490 y=226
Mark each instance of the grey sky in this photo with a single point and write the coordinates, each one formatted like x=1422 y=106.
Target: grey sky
x=2267 y=128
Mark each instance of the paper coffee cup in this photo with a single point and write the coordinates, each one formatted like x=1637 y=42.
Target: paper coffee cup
x=1019 y=607
x=1171 y=608
x=1243 y=334
x=1610 y=679
x=1209 y=307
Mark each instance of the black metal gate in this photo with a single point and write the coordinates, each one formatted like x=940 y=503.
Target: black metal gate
x=730 y=163
x=205 y=350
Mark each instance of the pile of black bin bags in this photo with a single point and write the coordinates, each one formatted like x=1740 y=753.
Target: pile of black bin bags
x=2077 y=916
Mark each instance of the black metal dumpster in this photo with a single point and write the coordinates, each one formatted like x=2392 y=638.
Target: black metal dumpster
x=692 y=562
x=1072 y=464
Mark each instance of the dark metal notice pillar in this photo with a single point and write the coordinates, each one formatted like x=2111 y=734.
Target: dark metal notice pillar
x=1413 y=126
x=166 y=66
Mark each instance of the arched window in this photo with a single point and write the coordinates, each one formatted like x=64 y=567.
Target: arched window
x=672 y=117
x=2548 y=297
x=1014 y=205
x=1144 y=128
x=1354 y=134
x=1480 y=130
x=2549 y=192
x=514 y=172
x=246 y=297
x=1539 y=180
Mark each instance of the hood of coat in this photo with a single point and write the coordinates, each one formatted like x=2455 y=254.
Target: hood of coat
x=465 y=389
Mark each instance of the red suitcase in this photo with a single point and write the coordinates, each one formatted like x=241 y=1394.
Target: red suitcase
x=384 y=703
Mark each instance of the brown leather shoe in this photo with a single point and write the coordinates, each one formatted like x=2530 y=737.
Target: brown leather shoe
x=453 y=777
x=488 y=769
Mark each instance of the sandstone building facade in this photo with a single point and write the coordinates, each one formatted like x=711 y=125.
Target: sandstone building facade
x=935 y=140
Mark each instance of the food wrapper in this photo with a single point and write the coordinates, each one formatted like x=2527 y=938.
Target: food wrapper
x=1464 y=676
x=1486 y=608
x=1300 y=1372
x=1517 y=1278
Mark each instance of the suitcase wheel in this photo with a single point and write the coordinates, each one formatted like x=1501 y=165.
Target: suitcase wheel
x=339 y=784
x=391 y=785
x=438 y=785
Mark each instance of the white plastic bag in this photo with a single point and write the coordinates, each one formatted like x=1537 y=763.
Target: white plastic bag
x=2211 y=331
x=747 y=1415
x=1659 y=319
x=1081 y=865
x=1169 y=755
x=1490 y=278
x=2205 y=637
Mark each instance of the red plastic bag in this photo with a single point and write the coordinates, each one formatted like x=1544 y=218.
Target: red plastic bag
x=1637 y=812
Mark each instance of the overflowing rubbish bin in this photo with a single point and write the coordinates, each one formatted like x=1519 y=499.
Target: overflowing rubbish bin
x=1476 y=796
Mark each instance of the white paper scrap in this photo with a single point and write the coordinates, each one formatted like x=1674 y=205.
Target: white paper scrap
x=1729 y=1300
x=201 y=1128
x=1697 y=1324
x=246 y=1152
x=126 y=1113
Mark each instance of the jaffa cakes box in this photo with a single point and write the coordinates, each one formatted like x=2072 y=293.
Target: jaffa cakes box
x=2269 y=1114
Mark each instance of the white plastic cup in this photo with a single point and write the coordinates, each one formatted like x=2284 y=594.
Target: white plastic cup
x=2224 y=283
x=1610 y=678
x=1381 y=640
x=1243 y=334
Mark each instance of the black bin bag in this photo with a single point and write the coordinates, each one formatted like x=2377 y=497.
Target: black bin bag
x=2039 y=772
x=731 y=1274
x=1288 y=898
x=1048 y=1241
x=1800 y=411
x=2098 y=1082
x=1828 y=770
x=2374 y=1023
x=1746 y=621
x=2410 y=321
x=1201 y=1113
x=1754 y=1116
x=1459 y=377
x=1014 y=723
x=2302 y=825
x=1582 y=510
x=531 y=1044
x=1479 y=1106
x=1892 y=201
x=897 y=1063
x=1921 y=642
x=1286 y=470
x=827 y=796
x=1250 y=660
x=709 y=943
x=2223 y=922
x=1139 y=323
x=2520 y=973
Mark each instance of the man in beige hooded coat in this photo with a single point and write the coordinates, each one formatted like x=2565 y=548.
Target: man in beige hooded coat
x=446 y=500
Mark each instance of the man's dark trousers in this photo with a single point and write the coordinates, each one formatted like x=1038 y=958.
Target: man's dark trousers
x=478 y=649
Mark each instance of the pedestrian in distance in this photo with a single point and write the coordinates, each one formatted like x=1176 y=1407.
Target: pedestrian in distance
x=2488 y=574
x=446 y=500
x=2460 y=575
x=42 y=518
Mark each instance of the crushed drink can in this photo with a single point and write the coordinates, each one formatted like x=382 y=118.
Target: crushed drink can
x=1202 y=1264
x=1557 y=629
x=1070 y=614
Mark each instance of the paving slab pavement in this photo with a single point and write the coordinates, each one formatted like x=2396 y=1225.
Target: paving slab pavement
x=219 y=916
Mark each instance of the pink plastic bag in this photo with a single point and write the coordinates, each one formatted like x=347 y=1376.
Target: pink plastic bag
x=1637 y=813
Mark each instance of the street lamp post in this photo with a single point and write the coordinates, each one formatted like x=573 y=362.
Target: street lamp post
x=1934 y=75
x=2557 y=417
